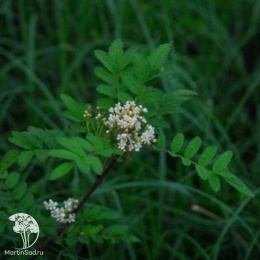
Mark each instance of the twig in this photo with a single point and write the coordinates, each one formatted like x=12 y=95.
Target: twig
x=62 y=228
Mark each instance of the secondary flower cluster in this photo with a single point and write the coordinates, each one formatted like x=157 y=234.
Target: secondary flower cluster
x=62 y=214
x=131 y=128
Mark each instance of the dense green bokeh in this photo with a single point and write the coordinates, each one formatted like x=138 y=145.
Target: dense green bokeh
x=46 y=48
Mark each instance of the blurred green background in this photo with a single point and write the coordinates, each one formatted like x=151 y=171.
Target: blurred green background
x=46 y=48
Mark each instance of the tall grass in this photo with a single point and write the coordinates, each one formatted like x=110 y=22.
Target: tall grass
x=46 y=48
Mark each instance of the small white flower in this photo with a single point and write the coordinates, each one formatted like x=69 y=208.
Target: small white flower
x=51 y=205
x=71 y=218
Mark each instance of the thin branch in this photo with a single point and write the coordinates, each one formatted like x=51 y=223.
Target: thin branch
x=62 y=228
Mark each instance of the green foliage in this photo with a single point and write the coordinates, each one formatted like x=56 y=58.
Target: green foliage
x=128 y=75
x=12 y=180
x=158 y=57
x=74 y=110
x=8 y=160
x=99 y=225
x=61 y=170
x=177 y=143
x=207 y=166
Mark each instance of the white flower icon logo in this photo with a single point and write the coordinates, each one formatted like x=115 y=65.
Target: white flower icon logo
x=25 y=225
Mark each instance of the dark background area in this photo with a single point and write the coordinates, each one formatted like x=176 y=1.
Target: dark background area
x=46 y=48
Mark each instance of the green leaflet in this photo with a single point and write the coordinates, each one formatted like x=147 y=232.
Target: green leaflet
x=158 y=57
x=214 y=182
x=12 y=180
x=239 y=185
x=72 y=145
x=202 y=172
x=71 y=103
x=193 y=147
x=45 y=135
x=151 y=95
x=98 y=142
x=83 y=164
x=161 y=74
x=127 y=58
x=63 y=154
x=106 y=76
x=61 y=171
x=177 y=143
x=24 y=140
x=207 y=155
x=8 y=160
x=25 y=158
x=115 y=52
x=222 y=161
x=186 y=161
x=107 y=90
x=83 y=143
x=141 y=68
x=75 y=110
x=34 y=141
x=106 y=152
x=135 y=86
x=96 y=164
x=105 y=60
x=19 y=191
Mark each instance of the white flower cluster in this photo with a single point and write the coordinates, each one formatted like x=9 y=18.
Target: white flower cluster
x=62 y=214
x=130 y=126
